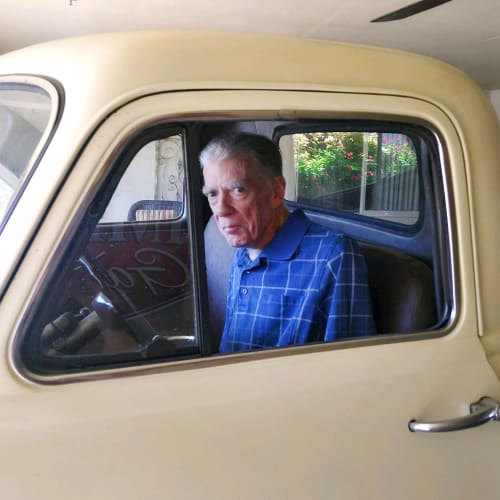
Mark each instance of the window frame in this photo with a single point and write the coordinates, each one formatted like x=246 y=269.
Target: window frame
x=55 y=93
x=41 y=365
x=413 y=132
x=98 y=206
x=266 y=108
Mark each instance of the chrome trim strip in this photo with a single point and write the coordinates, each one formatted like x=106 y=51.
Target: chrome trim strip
x=451 y=240
x=217 y=360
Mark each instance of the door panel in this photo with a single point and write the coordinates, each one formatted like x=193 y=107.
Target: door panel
x=313 y=425
x=144 y=267
x=328 y=421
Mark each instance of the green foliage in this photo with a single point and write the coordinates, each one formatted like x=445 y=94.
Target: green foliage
x=335 y=161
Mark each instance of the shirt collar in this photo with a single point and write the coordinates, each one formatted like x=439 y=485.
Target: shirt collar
x=287 y=240
x=284 y=244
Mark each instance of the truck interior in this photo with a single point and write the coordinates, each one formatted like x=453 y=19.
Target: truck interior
x=145 y=275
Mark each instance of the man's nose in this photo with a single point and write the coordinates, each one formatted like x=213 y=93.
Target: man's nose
x=222 y=205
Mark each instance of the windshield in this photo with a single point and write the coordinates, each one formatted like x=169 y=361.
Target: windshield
x=25 y=111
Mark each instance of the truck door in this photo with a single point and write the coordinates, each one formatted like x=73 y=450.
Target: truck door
x=113 y=386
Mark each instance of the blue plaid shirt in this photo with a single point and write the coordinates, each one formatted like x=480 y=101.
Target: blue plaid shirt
x=309 y=284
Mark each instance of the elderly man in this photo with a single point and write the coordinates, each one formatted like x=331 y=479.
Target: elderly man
x=291 y=281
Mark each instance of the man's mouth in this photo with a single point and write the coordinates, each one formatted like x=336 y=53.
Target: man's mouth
x=230 y=229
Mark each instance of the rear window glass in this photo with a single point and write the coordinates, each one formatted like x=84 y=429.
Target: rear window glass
x=363 y=172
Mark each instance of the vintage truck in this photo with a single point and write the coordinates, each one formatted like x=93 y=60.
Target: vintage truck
x=113 y=278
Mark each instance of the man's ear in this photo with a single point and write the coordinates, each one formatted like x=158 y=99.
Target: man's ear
x=278 y=190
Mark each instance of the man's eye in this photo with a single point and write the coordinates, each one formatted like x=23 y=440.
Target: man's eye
x=239 y=189
x=210 y=194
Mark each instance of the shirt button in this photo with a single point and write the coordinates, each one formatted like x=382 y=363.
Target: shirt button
x=244 y=291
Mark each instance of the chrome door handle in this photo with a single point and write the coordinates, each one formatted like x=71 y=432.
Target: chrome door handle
x=481 y=412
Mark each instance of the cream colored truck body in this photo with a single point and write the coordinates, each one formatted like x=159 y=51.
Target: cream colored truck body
x=312 y=422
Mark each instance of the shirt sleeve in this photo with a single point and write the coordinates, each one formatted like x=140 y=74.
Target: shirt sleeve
x=347 y=302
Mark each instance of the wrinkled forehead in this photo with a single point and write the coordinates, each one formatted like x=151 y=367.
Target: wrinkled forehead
x=242 y=168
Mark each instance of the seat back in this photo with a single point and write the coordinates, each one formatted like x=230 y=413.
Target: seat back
x=401 y=286
x=218 y=257
x=402 y=290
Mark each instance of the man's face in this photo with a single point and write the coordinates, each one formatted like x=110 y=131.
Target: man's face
x=244 y=201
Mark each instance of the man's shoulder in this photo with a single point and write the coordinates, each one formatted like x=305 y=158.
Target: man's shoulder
x=316 y=230
x=329 y=240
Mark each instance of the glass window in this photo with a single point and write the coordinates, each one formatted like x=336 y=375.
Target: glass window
x=128 y=295
x=368 y=173
x=25 y=111
x=130 y=288
x=153 y=193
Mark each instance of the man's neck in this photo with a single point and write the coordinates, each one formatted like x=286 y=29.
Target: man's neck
x=281 y=216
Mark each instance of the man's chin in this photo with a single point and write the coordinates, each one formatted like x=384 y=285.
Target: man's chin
x=234 y=238
x=235 y=243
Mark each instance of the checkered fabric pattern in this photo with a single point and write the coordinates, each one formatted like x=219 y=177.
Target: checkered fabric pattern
x=309 y=284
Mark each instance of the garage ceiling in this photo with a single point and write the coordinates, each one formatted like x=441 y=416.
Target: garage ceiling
x=464 y=33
